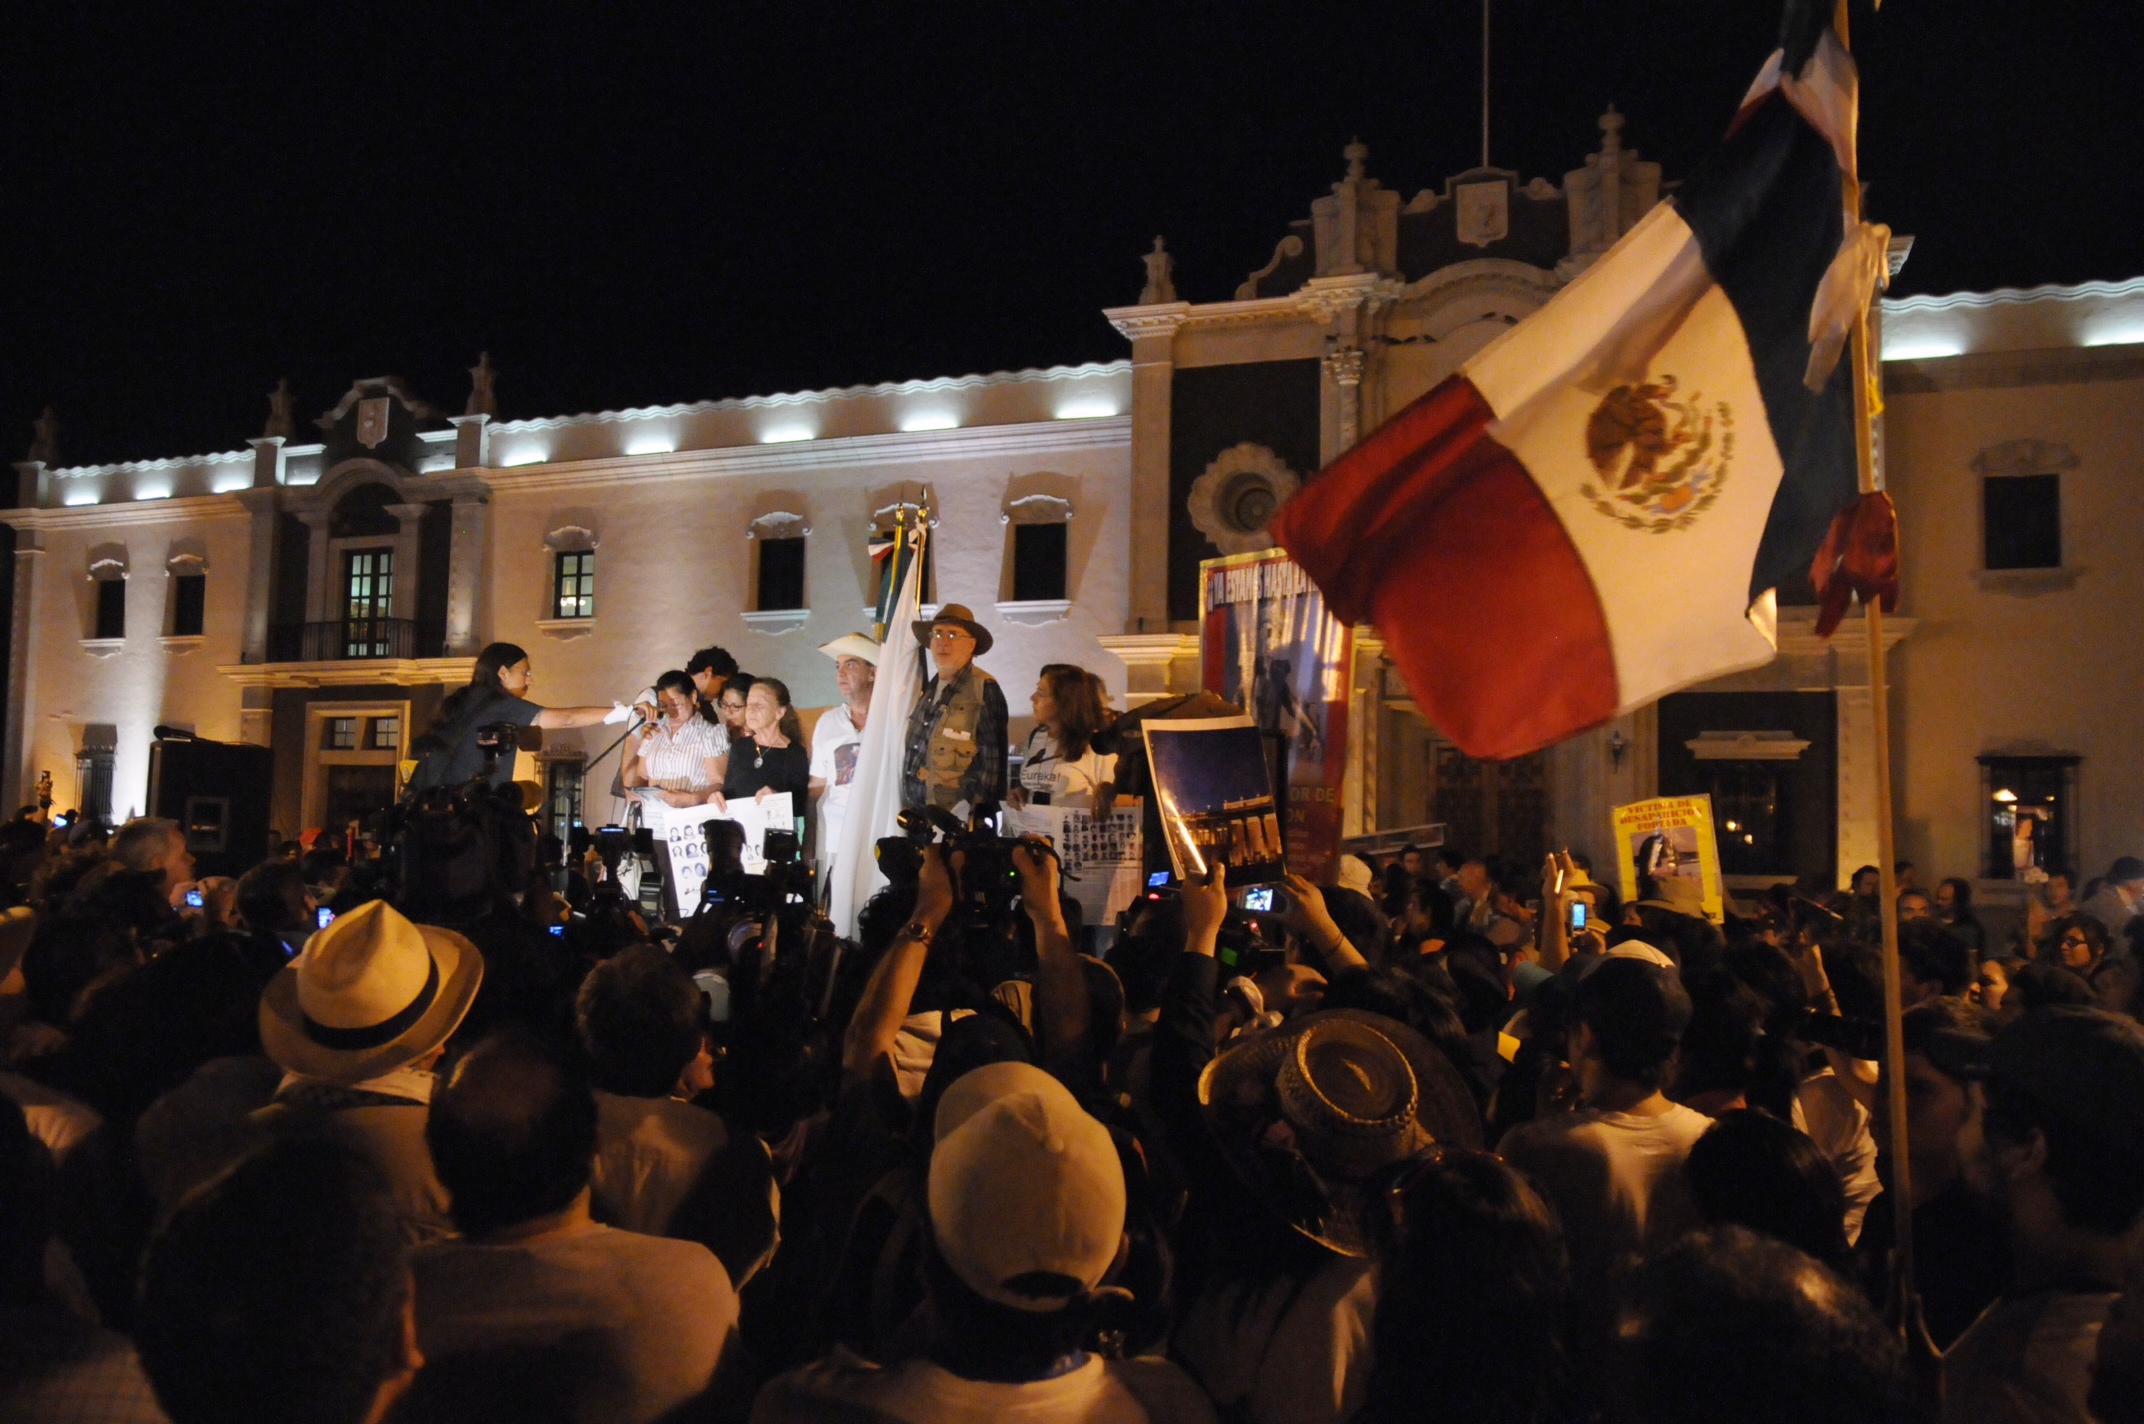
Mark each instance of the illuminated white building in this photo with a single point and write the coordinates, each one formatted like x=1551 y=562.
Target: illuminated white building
x=344 y=583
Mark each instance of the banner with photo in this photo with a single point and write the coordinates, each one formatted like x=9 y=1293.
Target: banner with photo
x=683 y=834
x=1103 y=852
x=1215 y=795
x=1670 y=838
x=1267 y=644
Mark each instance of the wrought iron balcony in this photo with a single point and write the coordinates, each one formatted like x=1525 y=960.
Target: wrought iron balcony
x=355 y=639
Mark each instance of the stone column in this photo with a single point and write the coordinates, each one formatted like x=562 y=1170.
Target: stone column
x=319 y=577
x=466 y=565
x=29 y=484
x=267 y=461
x=1344 y=369
x=408 y=544
x=1351 y=309
x=261 y=504
x=256 y=716
x=1152 y=333
x=1365 y=713
x=472 y=441
x=16 y=774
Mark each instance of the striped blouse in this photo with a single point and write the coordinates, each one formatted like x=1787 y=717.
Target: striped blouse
x=676 y=760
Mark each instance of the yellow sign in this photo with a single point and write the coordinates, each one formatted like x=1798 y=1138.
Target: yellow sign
x=1667 y=839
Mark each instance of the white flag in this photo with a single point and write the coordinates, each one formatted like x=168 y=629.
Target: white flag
x=875 y=794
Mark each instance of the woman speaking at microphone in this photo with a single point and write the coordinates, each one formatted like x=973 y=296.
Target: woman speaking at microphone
x=448 y=754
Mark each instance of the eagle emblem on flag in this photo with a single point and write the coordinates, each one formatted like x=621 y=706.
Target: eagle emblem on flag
x=1662 y=456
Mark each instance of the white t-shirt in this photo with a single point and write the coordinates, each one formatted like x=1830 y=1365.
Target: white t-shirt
x=1615 y=1179
x=844 y=1387
x=1839 y=1127
x=835 y=742
x=660 y=1311
x=1285 y=1353
x=650 y=1153
x=1065 y=783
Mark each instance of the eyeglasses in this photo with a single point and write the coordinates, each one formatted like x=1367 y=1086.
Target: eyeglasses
x=949 y=635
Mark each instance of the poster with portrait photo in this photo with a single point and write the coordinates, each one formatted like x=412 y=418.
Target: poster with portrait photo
x=1669 y=838
x=1215 y=795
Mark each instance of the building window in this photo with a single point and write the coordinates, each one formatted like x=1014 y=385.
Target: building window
x=111 y=608
x=575 y=581
x=882 y=532
x=387 y=734
x=342 y=734
x=2031 y=804
x=189 y=604
x=2022 y=517
x=93 y=783
x=781 y=574
x=562 y=797
x=1038 y=562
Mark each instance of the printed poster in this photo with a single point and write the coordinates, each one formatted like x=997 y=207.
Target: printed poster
x=680 y=829
x=1215 y=794
x=1670 y=836
x=1267 y=644
x=1102 y=851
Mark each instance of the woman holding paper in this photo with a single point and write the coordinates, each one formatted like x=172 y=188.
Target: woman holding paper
x=1061 y=766
x=676 y=758
x=770 y=758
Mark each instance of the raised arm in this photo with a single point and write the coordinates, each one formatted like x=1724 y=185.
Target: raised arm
x=1063 y=1015
x=1307 y=916
x=559 y=719
x=892 y=986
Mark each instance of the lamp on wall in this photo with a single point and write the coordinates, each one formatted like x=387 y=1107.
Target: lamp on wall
x=1617 y=745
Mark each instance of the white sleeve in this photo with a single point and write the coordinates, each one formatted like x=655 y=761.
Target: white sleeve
x=823 y=738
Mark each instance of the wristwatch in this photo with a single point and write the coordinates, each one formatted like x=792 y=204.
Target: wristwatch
x=916 y=930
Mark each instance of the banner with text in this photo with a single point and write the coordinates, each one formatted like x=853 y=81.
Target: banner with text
x=682 y=830
x=1267 y=644
x=1670 y=838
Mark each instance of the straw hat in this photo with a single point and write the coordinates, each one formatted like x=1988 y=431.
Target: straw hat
x=1358 y=1093
x=368 y=994
x=853 y=645
x=959 y=615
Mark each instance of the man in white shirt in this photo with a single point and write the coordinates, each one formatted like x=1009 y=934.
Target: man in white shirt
x=1026 y=1203
x=839 y=734
x=1614 y=1168
x=644 y=1320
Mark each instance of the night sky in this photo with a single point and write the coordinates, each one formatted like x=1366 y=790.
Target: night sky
x=633 y=204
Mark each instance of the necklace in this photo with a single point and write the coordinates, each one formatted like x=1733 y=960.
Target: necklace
x=759 y=756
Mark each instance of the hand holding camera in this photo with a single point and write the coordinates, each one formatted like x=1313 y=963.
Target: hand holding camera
x=934 y=888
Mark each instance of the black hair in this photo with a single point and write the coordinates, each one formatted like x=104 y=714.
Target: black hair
x=1752 y=1169
x=1636 y=1011
x=677 y=682
x=1719 y=1049
x=277 y=1292
x=481 y=689
x=2040 y=985
x=1731 y=1324
x=1359 y=920
x=1692 y=941
x=982 y=1340
x=1931 y=953
x=712 y=660
x=641 y=1020
x=512 y=1134
x=1143 y=955
x=1471 y=1301
x=2099 y=1186
x=1945 y=1015
x=271 y=896
x=1451 y=858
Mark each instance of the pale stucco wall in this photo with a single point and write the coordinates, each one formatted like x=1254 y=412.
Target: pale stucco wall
x=2058 y=671
x=146 y=681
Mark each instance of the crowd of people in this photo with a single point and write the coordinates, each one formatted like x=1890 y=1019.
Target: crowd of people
x=1408 y=1145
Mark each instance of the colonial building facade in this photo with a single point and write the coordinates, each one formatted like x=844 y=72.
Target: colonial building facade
x=318 y=597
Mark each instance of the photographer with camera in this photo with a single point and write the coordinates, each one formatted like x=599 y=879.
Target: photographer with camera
x=448 y=754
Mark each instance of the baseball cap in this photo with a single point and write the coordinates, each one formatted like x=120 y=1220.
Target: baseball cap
x=1024 y=1183
x=2084 y=1065
x=1646 y=1003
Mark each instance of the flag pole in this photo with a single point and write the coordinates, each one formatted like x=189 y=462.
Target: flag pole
x=1900 y=1185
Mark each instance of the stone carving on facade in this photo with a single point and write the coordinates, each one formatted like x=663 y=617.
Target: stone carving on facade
x=1160 y=280
x=1344 y=367
x=281 y=422
x=1287 y=247
x=45 y=438
x=1484 y=211
x=1607 y=196
x=2024 y=457
x=1357 y=227
x=483 y=391
x=1236 y=498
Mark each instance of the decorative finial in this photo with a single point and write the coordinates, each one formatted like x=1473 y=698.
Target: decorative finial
x=45 y=448
x=1611 y=130
x=280 y=422
x=1356 y=153
x=1160 y=285
x=483 y=395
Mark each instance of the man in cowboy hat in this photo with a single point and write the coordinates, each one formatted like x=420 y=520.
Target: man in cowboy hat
x=356 y=1022
x=957 y=733
x=839 y=734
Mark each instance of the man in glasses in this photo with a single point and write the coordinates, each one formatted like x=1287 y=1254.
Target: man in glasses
x=957 y=732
